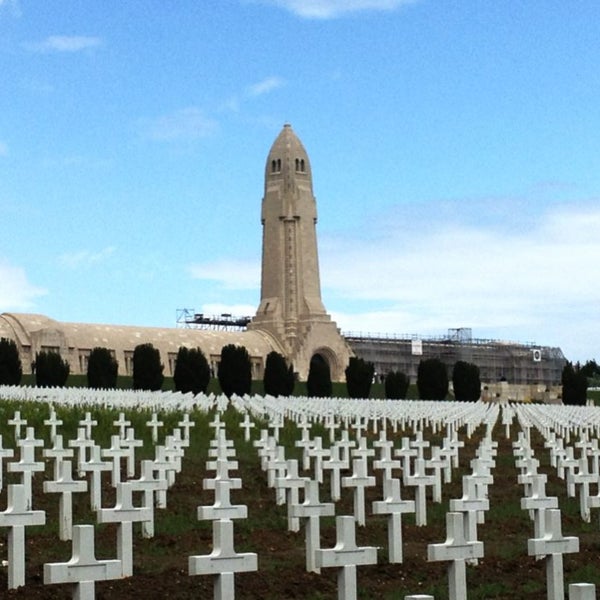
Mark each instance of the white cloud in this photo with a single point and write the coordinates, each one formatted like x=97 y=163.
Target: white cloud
x=265 y=86
x=260 y=88
x=230 y=274
x=185 y=124
x=330 y=9
x=425 y=279
x=3 y=148
x=84 y=259
x=65 y=43
x=16 y=292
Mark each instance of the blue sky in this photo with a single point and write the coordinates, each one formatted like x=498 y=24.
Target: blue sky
x=455 y=149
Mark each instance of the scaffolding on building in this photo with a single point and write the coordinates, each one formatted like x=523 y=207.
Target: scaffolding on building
x=188 y=318
x=515 y=362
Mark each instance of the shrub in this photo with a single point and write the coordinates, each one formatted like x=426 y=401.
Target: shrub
x=574 y=385
x=102 y=369
x=318 y=383
x=396 y=385
x=278 y=378
x=192 y=371
x=359 y=377
x=50 y=369
x=466 y=381
x=147 y=368
x=11 y=369
x=432 y=379
x=235 y=370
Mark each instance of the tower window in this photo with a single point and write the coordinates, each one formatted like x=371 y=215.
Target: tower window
x=276 y=165
x=300 y=166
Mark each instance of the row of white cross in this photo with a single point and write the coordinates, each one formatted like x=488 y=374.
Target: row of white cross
x=417 y=470
x=91 y=460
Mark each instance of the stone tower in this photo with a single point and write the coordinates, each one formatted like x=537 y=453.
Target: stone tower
x=291 y=309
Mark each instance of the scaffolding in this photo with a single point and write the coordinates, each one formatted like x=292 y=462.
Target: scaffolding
x=514 y=362
x=188 y=318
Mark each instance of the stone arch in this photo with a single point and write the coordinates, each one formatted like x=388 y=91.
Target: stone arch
x=329 y=357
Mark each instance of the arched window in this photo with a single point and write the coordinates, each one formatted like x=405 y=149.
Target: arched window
x=302 y=165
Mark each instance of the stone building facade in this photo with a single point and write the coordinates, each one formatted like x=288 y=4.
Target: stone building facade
x=291 y=318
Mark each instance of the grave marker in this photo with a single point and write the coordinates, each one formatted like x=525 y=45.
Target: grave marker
x=553 y=545
x=457 y=550
x=312 y=509
x=346 y=556
x=16 y=517
x=83 y=569
x=223 y=562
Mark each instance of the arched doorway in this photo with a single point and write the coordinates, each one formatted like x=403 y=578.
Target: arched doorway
x=318 y=382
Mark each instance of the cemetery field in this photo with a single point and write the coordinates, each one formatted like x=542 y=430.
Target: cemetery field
x=160 y=563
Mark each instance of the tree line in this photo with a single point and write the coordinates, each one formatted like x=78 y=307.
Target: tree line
x=192 y=373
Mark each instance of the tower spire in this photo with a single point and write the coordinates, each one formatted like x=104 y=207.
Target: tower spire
x=290 y=303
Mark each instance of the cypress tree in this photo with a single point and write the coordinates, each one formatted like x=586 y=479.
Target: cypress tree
x=359 y=377
x=147 y=368
x=192 y=371
x=235 y=370
x=396 y=385
x=11 y=369
x=432 y=379
x=102 y=369
x=50 y=369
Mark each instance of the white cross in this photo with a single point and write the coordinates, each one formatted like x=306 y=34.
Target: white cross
x=58 y=453
x=186 y=425
x=312 y=509
x=457 y=550
x=359 y=480
x=125 y=514
x=583 y=478
x=346 y=556
x=81 y=443
x=27 y=465
x=16 y=517
x=393 y=506
x=53 y=422
x=65 y=485
x=221 y=467
x=87 y=423
x=149 y=486
x=420 y=481
x=223 y=562
x=83 y=570
x=222 y=507
x=317 y=452
x=17 y=422
x=154 y=425
x=247 y=425
x=116 y=452
x=129 y=443
x=291 y=483
x=122 y=424
x=95 y=465
x=553 y=545
x=336 y=465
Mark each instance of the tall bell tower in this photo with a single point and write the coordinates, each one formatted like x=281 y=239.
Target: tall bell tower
x=291 y=309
